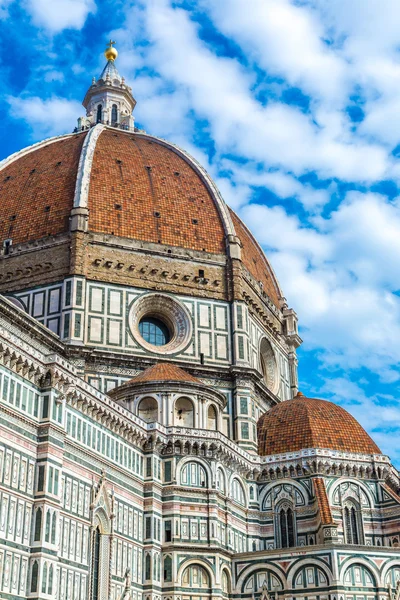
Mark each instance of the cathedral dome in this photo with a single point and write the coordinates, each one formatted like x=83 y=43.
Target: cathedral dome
x=131 y=185
x=303 y=423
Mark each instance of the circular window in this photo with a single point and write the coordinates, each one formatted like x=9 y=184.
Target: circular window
x=160 y=324
x=154 y=331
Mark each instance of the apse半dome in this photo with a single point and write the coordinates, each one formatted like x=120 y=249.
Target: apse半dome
x=303 y=423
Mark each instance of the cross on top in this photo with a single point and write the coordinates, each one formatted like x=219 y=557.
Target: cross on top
x=111 y=43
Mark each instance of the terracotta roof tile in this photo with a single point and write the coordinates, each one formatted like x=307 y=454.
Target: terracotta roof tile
x=255 y=260
x=160 y=196
x=311 y=423
x=323 y=502
x=37 y=191
x=164 y=372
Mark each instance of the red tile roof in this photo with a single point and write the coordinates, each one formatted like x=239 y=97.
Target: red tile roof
x=161 y=197
x=37 y=190
x=303 y=423
x=255 y=260
x=164 y=372
x=323 y=502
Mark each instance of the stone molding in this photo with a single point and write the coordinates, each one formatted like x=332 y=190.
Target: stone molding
x=85 y=167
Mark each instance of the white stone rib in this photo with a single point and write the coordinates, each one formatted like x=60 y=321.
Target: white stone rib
x=85 y=167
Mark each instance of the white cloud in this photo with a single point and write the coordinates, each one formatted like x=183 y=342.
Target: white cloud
x=341 y=278
x=286 y=40
x=56 y=15
x=277 y=135
x=46 y=117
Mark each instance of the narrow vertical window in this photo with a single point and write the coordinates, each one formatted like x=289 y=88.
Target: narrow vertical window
x=114 y=114
x=53 y=528
x=282 y=518
x=44 y=578
x=50 y=588
x=35 y=574
x=290 y=528
x=99 y=114
x=96 y=564
x=167 y=568
x=147 y=567
x=47 y=534
x=286 y=528
x=38 y=525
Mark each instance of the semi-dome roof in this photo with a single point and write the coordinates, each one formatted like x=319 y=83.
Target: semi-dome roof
x=135 y=186
x=303 y=423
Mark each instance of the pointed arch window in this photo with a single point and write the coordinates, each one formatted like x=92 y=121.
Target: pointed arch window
x=99 y=117
x=351 y=524
x=38 y=525
x=96 y=564
x=114 y=114
x=286 y=527
x=53 y=528
x=35 y=575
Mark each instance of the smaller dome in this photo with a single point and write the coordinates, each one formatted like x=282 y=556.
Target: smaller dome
x=303 y=423
x=164 y=372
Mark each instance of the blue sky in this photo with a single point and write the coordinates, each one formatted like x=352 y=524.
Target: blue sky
x=294 y=109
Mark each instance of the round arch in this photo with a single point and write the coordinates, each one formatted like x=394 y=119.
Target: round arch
x=265 y=491
x=193 y=459
x=234 y=477
x=346 y=564
x=393 y=563
x=305 y=562
x=226 y=571
x=184 y=411
x=221 y=470
x=331 y=490
x=253 y=569
x=198 y=562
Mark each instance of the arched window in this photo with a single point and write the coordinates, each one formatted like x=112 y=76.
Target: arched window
x=44 y=578
x=221 y=485
x=147 y=567
x=50 y=586
x=193 y=475
x=47 y=533
x=148 y=410
x=237 y=492
x=114 y=114
x=184 y=412
x=167 y=568
x=286 y=534
x=212 y=418
x=99 y=117
x=53 y=528
x=38 y=525
x=351 y=524
x=96 y=564
x=35 y=575
x=195 y=577
x=225 y=583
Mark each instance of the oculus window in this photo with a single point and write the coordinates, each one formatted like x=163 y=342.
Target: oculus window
x=154 y=331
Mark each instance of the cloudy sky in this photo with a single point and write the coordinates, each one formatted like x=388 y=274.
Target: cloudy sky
x=294 y=108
